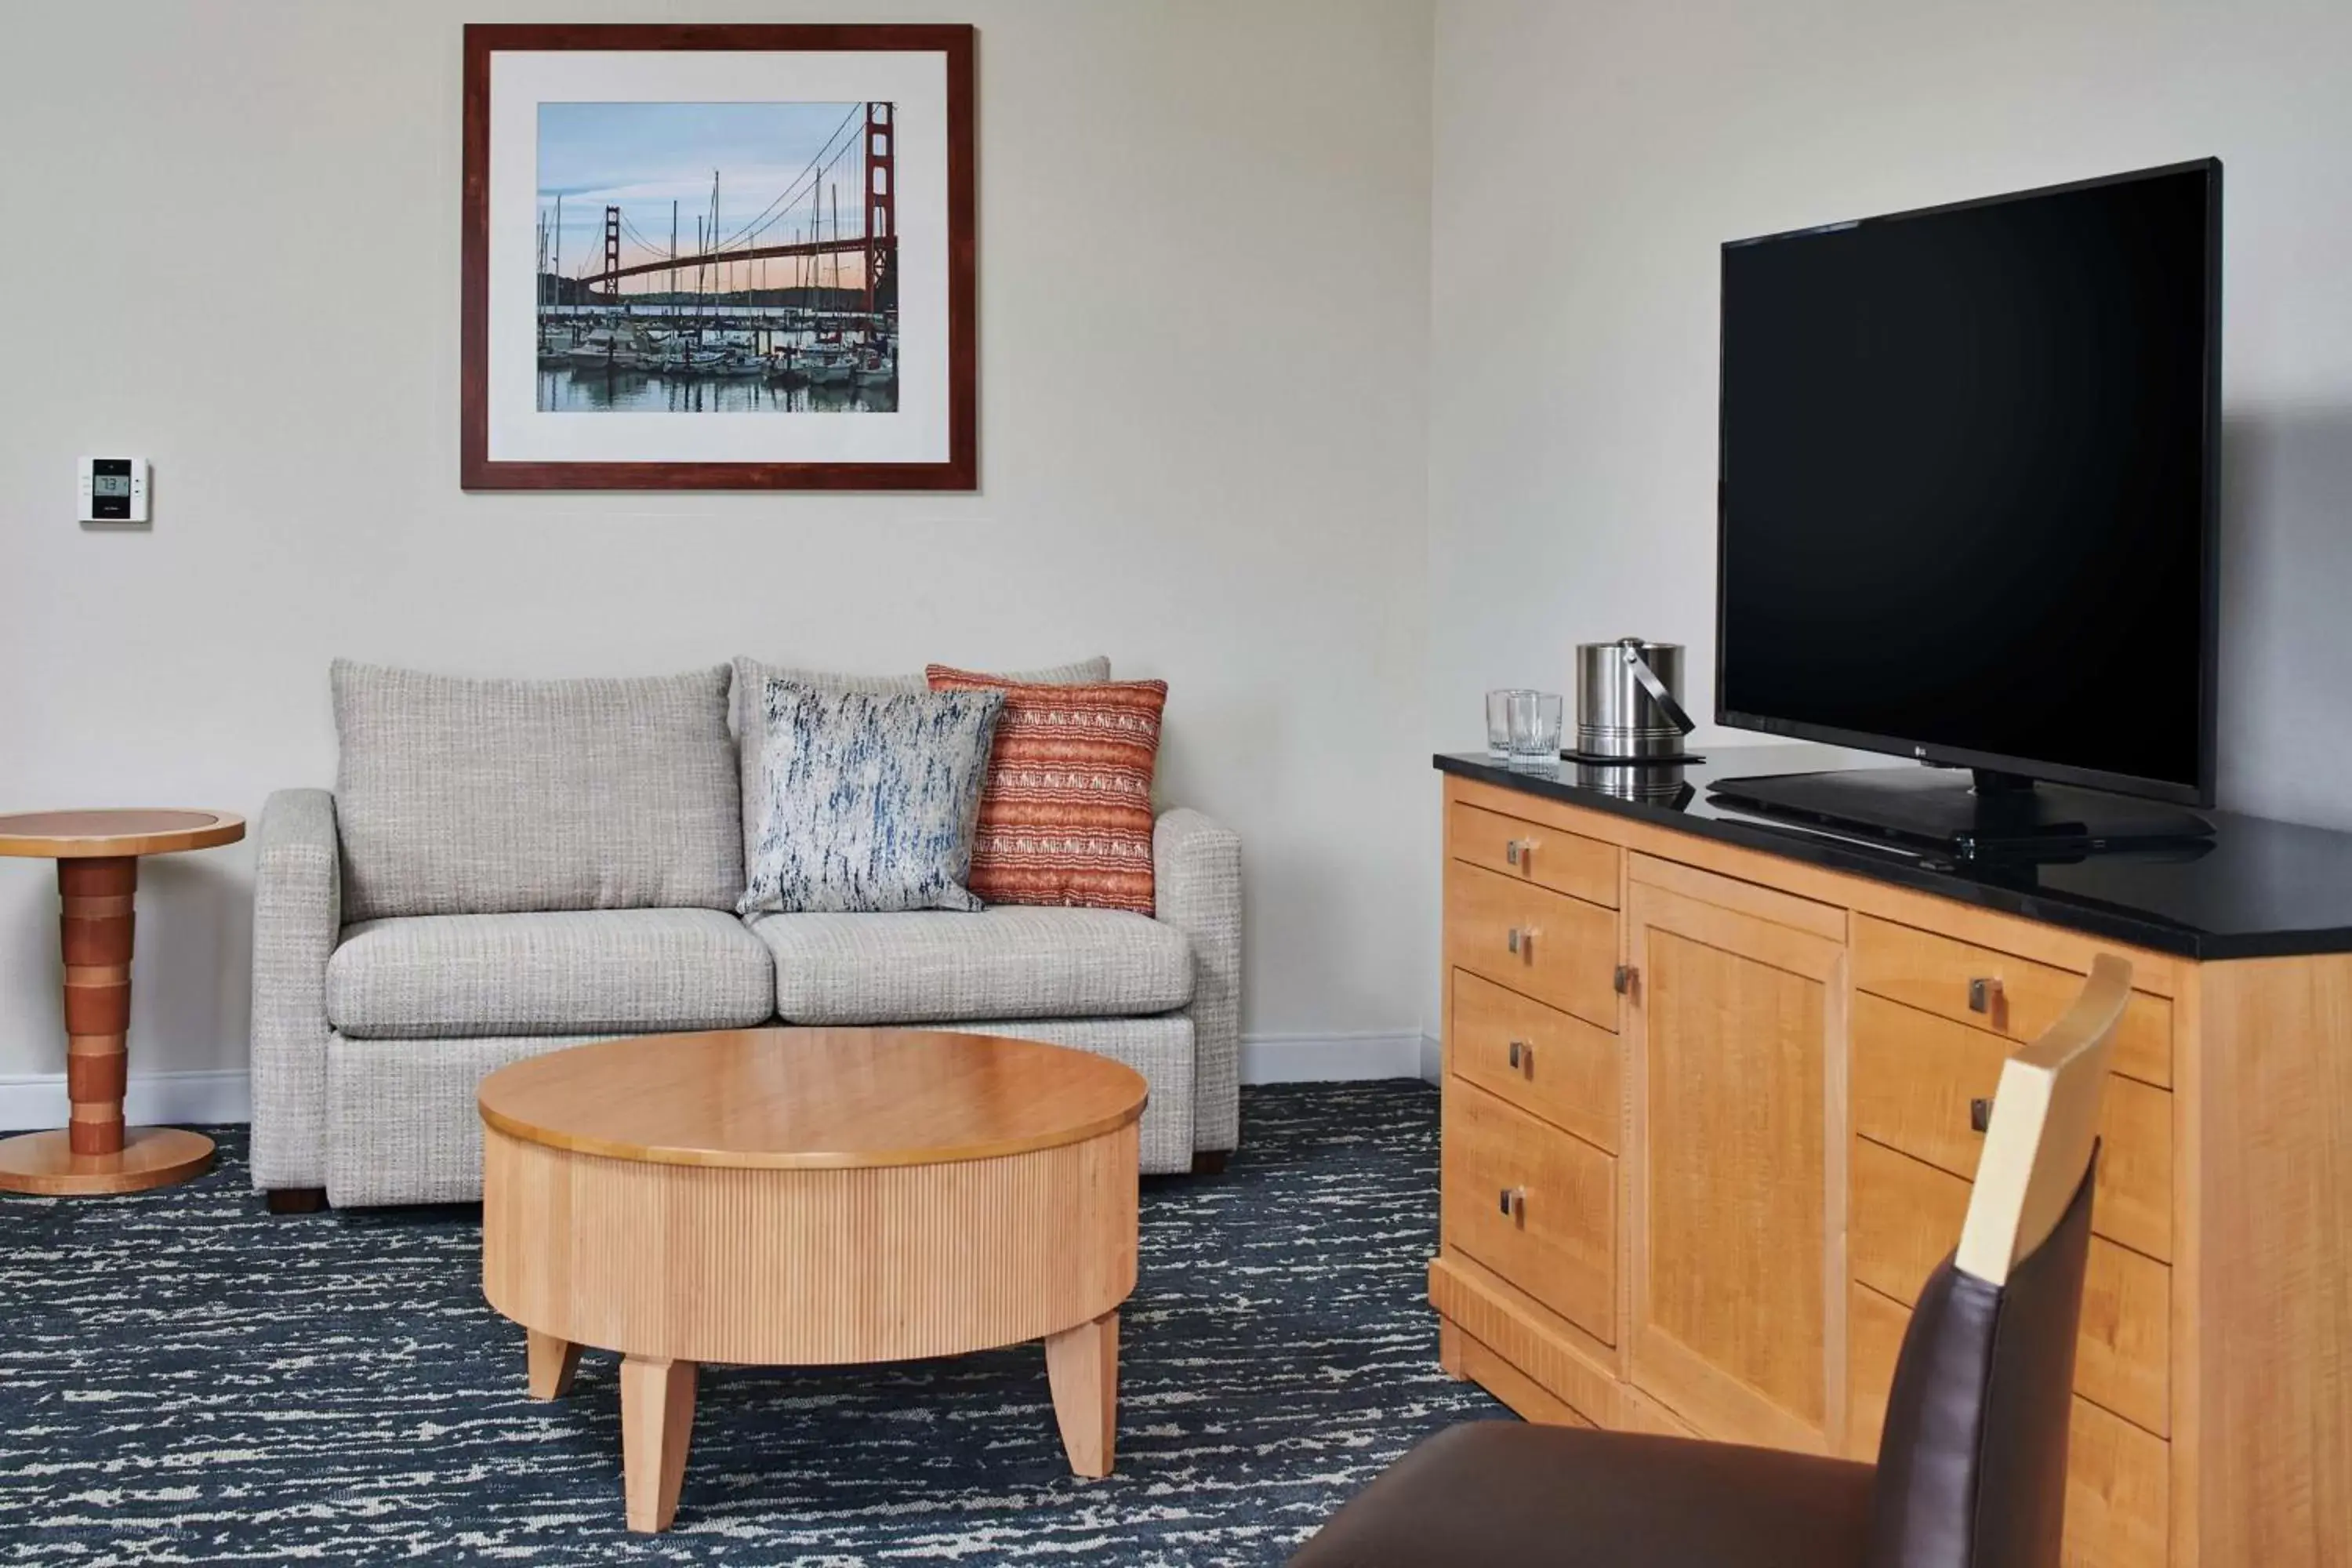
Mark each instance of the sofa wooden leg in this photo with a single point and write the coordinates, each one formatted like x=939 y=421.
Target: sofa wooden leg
x=296 y=1200
x=1210 y=1162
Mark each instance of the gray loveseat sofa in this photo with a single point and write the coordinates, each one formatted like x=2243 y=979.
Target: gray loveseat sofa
x=507 y=868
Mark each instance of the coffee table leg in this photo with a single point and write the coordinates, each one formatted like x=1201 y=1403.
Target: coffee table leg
x=1082 y=1365
x=551 y=1361
x=656 y=1420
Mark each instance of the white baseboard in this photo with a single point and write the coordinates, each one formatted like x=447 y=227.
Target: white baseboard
x=1432 y=1059
x=37 y=1101
x=1328 y=1058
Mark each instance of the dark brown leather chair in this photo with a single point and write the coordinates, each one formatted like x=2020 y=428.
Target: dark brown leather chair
x=1972 y=1470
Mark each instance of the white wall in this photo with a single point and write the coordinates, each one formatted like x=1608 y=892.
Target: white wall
x=1592 y=157
x=231 y=244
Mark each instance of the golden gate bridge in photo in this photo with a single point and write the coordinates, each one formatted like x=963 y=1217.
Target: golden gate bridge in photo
x=876 y=243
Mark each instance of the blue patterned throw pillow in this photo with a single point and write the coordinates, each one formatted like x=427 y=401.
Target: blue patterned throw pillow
x=868 y=801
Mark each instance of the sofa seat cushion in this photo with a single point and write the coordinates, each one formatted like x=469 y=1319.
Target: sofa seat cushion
x=574 y=972
x=1004 y=963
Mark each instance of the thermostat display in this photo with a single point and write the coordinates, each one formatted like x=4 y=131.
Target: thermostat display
x=113 y=489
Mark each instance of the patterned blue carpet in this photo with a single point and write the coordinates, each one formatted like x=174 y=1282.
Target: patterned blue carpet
x=186 y=1379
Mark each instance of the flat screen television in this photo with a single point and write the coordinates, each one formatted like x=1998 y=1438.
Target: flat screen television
x=1966 y=509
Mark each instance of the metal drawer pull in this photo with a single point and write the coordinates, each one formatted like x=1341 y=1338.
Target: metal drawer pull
x=1515 y=1202
x=1523 y=1055
x=1984 y=995
x=1523 y=941
x=1623 y=979
x=1519 y=851
x=1979 y=1115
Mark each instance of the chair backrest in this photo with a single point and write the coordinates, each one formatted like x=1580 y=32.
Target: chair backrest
x=1973 y=1460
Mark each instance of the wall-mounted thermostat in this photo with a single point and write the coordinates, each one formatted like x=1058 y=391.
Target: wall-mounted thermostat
x=114 y=489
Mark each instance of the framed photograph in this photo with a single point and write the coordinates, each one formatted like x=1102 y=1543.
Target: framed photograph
x=720 y=257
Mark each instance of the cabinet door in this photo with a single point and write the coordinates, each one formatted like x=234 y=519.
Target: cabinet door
x=1736 y=1171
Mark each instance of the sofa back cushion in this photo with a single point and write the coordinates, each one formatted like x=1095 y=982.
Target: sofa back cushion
x=465 y=797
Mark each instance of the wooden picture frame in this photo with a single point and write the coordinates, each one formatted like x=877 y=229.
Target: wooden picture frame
x=924 y=435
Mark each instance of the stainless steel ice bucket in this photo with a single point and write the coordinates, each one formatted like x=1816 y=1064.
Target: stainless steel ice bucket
x=1628 y=699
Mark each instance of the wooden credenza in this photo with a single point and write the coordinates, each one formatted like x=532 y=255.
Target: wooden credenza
x=1708 y=1127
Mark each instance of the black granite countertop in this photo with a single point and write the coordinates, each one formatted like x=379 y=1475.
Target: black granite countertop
x=2260 y=889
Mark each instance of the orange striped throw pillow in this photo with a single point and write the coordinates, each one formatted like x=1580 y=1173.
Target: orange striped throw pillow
x=1066 y=817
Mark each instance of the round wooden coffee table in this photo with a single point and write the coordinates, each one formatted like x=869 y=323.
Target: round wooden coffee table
x=97 y=854
x=810 y=1197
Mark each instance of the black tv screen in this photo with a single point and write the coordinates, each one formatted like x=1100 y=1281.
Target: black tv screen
x=1967 y=483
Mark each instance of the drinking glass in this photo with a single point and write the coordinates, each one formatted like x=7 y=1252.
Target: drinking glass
x=1498 y=721
x=1535 y=719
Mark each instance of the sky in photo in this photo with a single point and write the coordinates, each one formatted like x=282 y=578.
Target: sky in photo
x=644 y=156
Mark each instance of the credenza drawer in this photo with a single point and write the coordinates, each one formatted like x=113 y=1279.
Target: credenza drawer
x=1904 y=1219
x=2118 y=1478
x=1998 y=991
x=1534 y=1205
x=1539 y=1059
x=1915 y=1074
x=1529 y=852
x=1543 y=944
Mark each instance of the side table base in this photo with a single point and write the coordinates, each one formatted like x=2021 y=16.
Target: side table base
x=45 y=1162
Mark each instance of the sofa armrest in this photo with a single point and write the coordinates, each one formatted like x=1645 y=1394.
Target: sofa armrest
x=1197 y=879
x=298 y=907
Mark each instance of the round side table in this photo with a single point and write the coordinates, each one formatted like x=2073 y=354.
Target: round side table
x=97 y=854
